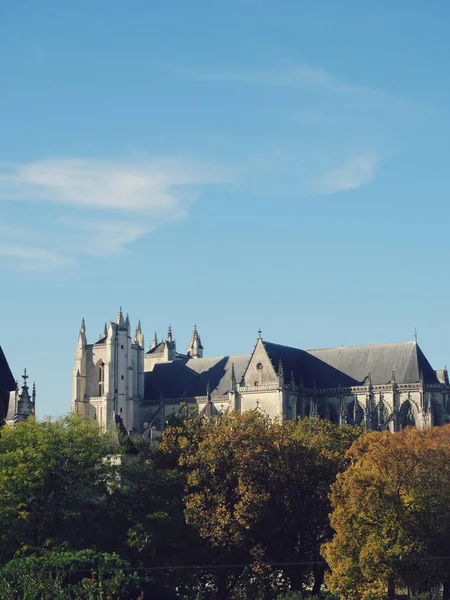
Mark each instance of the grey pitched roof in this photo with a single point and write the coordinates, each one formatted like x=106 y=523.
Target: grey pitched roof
x=6 y=378
x=159 y=349
x=350 y=365
x=190 y=377
x=7 y=384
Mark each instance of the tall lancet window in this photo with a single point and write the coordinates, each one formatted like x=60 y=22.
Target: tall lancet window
x=101 y=378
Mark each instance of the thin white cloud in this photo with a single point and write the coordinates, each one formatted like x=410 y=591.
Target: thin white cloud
x=355 y=172
x=116 y=202
x=31 y=258
x=102 y=238
x=152 y=186
x=287 y=74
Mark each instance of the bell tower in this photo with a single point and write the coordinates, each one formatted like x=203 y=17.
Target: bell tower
x=108 y=376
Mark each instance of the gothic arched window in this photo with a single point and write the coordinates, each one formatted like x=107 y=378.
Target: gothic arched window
x=407 y=417
x=101 y=378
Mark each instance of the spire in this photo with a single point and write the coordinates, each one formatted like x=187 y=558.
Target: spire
x=169 y=334
x=280 y=372
x=105 y=331
x=292 y=380
x=25 y=377
x=33 y=395
x=342 y=411
x=259 y=334
x=139 y=336
x=393 y=376
x=24 y=407
x=155 y=342
x=120 y=322
x=233 y=378
x=415 y=335
x=209 y=406
x=195 y=348
x=82 y=342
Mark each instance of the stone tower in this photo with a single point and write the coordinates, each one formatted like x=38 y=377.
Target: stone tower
x=108 y=376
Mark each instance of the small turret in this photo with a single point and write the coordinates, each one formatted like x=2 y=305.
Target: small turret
x=139 y=336
x=82 y=341
x=25 y=407
x=233 y=379
x=292 y=382
x=170 y=349
x=195 y=348
x=280 y=373
x=154 y=342
x=120 y=320
x=33 y=397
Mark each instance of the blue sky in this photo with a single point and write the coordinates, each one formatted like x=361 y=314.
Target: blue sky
x=237 y=163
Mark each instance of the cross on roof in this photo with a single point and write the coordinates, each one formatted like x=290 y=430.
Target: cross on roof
x=25 y=377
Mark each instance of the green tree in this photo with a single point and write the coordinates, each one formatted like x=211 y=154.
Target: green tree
x=147 y=524
x=55 y=477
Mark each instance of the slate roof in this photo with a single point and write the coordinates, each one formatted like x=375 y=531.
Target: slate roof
x=350 y=365
x=159 y=349
x=7 y=381
x=191 y=377
x=7 y=384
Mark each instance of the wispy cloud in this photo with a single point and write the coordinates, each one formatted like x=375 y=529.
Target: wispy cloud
x=355 y=172
x=153 y=186
x=103 y=238
x=32 y=258
x=287 y=74
x=117 y=202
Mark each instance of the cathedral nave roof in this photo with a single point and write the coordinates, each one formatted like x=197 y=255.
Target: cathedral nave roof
x=351 y=365
x=191 y=377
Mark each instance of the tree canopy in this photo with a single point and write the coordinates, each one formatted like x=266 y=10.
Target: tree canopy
x=234 y=507
x=54 y=479
x=390 y=515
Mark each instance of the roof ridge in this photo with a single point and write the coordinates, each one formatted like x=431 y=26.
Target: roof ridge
x=409 y=342
x=362 y=346
x=220 y=356
x=283 y=346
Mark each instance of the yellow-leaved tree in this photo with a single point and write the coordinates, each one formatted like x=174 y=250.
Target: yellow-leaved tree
x=390 y=515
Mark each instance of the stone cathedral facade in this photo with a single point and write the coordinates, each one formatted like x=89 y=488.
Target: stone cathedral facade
x=116 y=380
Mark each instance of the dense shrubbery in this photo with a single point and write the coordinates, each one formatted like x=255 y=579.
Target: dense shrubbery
x=232 y=508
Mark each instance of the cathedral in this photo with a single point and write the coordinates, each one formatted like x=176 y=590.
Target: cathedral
x=116 y=380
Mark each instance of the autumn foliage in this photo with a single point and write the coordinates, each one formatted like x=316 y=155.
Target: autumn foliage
x=236 y=507
x=391 y=517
